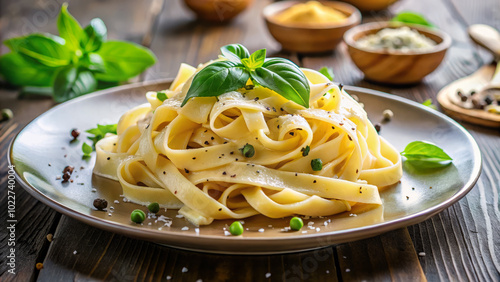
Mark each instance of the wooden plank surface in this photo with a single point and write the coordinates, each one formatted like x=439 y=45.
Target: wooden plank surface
x=461 y=243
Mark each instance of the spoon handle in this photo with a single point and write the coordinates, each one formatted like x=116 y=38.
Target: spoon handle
x=496 y=77
x=486 y=36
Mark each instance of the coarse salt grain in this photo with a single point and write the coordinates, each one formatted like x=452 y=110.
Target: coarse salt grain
x=116 y=202
x=226 y=233
x=179 y=216
x=93 y=190
x=109 y=214
x=184 y=270
x=422 y=254
x=317 y=229
x=185 y=228
x=268 y=275
x=75 y=252
x=199 y=280
x=197 y=230
x=149 y=223
x=328 y=271
x=304 y=232
x=310 y=223
x=169 y=277
x=347 y=270
x=261 y=230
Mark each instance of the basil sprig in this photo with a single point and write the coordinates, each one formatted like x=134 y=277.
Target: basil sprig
x=98 y=133
x=277 y=74
x=78 y=61
x=327 y=72
x=411 y=18
x=424 y=154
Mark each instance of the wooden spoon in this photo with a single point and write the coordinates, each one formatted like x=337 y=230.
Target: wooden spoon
x=486 y=36
x=483 y=79
x=489 y=38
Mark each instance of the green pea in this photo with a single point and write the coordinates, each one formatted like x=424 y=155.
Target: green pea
x=248 y=151
x=236 y=228
x=316 y=164
x=305 y=151
x=6 y=114
x=296 y=223
x=154 y=207
x=137 y=216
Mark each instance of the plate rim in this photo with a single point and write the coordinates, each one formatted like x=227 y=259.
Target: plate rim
x=339 y=236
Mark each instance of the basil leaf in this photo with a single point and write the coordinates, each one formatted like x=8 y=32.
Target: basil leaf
x=71 y=82
x=429 y=104
x=234 y=52
x=93 y=62
x=69 y=29
x=285 y=78
x=256 y=60
x=328 y=72
x=425 y=154
x=86 y=149
x=161 y=96
x=48 y=50
x=216 y=79
x=411 y=18
x=107 y=128
x=124 y=60
x=17 y=71
x=95 y=35
x=100 y=131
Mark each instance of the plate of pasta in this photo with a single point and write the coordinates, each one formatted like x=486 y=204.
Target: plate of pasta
x=220 y=144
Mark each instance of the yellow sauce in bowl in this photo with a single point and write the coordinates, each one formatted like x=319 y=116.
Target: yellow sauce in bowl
x=309 y=14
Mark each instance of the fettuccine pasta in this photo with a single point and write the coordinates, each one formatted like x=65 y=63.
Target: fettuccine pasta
x=190 y=157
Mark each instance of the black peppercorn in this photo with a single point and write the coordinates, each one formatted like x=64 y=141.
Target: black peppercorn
x=488 y=100
x=75 y=133
x=68 y=169
x=65 y=177
x=100 y=204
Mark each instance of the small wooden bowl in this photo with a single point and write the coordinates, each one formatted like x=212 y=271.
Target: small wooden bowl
x=393 y=67
x=310 y=39
x=371 y=5
x=217 y=10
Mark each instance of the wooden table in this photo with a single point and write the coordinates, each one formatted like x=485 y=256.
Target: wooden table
x=460 y=243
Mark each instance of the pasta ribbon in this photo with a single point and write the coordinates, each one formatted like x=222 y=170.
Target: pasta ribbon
x=190 y=158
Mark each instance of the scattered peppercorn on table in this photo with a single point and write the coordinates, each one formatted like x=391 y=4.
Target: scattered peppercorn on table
x=460 y=243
